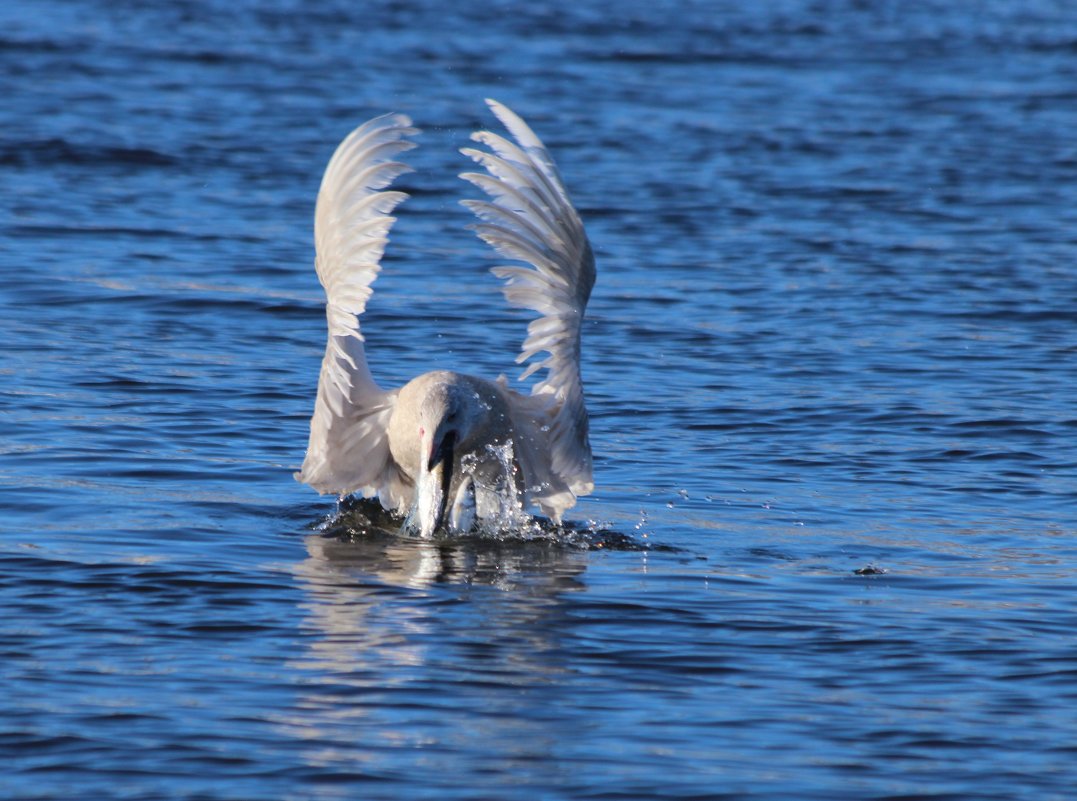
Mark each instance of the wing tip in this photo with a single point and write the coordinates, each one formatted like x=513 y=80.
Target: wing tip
x=515 y=124
x=390 y=121
x=397 y=119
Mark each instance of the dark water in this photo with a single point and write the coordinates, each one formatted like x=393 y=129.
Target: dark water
x=835 y=330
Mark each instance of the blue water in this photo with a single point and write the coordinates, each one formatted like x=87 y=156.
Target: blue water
x=831 y=363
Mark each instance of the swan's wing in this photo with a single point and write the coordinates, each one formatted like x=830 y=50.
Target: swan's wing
x=349 y=447
x=530 y=218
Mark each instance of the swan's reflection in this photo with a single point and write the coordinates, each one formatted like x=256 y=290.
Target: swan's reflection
x=365 y=541
x=450 y=647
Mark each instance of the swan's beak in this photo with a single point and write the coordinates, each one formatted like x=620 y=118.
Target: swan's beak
x=430 y=507
x=435 y=474
x=441 y=450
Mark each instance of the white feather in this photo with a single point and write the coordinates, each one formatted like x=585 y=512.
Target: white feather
x=348 y=449
x=530 y=218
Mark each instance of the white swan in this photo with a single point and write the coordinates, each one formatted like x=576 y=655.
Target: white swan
x=448 y=448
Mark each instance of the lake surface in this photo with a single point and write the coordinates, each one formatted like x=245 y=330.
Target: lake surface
x=831 y=363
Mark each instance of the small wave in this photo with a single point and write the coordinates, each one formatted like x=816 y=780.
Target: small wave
x=365 y=519
x=37 y=152
x=36 y=46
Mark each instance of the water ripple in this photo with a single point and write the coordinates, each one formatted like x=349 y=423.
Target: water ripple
x=829 y=363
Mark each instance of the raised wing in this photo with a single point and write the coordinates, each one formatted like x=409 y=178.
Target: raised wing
x=530 y=218
x=348 y=448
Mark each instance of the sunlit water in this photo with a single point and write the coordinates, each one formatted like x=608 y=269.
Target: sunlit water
x=831 y=363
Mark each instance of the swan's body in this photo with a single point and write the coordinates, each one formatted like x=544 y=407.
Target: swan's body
x=446 y=448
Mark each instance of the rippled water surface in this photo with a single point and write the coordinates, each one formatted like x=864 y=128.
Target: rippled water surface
x=831 y=361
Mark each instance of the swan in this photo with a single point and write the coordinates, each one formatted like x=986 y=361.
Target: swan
x=447 y=450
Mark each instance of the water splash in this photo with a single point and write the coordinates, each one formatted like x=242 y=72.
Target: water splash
x=495 y=483
x=500 y=516
x=364 y=519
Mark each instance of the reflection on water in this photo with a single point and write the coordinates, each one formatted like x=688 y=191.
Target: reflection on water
x=417 y=563
x=449 y=648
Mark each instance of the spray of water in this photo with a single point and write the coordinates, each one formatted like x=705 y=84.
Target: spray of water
x=498 y=504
